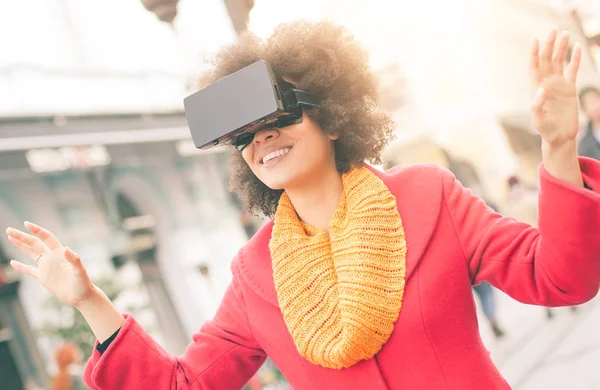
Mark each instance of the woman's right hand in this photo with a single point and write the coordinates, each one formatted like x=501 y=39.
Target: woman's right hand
x=59 y=269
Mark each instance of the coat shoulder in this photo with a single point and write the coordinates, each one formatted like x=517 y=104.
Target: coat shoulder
x=414 y=177
x=252 y=265
x=410 y=170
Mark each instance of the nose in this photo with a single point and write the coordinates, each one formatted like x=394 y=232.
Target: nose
x=265 y=135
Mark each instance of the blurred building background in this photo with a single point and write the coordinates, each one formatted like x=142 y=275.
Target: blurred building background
x=94 y=144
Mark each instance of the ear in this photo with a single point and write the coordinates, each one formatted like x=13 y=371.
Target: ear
x=333 y=137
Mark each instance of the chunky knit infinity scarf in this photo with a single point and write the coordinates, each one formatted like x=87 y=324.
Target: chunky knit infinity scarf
x=341 y=293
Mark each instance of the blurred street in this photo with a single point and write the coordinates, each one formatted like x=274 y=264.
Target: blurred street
x=541 y=353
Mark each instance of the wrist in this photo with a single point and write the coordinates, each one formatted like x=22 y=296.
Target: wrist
x=101 y=315
x=92 y=300
x=561 y=161
x=564 y=150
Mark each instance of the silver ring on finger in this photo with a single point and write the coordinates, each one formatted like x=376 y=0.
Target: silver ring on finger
x=37 y=258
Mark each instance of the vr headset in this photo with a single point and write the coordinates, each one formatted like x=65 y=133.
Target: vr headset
x=231 y=110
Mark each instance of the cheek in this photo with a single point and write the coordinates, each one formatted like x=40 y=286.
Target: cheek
x=248 y=156
x=317 y=148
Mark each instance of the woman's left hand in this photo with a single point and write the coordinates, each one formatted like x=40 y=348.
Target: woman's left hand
x=555 y=111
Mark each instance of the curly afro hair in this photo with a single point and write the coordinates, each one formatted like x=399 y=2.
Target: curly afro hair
x=320 y=57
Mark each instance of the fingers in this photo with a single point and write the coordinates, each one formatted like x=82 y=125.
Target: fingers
x=44 y=235
x=534 y=63
x=27 y=243
x=26 y=269
x=573 y=67
x=23 y=247
x=33 y=246
x=560 y=52
x=552 y=58
x=547 y=50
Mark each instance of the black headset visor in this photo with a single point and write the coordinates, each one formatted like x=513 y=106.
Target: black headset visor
x=231 y=110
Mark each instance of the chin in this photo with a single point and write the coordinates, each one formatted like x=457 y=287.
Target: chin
x=277 y=181
x=280 y=179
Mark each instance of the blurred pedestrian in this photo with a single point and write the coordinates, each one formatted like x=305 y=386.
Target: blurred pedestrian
x=67 y=355
x=589 y=144
x=363 y=278
x=521 y=202
x=488 y=303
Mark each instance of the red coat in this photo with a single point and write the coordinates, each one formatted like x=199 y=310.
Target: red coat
x=453 y=241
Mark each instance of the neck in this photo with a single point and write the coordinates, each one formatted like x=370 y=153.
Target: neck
x=315 y=202
x=595 y=124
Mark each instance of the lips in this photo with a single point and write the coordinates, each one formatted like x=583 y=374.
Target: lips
x=270 y=155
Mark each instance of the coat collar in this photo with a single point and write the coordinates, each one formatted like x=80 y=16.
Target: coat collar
x=418 y=192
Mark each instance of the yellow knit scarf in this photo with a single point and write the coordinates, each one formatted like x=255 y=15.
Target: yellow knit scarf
x=341 y=293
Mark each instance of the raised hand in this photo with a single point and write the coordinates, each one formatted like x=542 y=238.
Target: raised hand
x=58 y=269
x=554 y=109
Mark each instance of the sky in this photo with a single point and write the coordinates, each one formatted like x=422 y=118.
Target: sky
x=81 y=56
x=89 y=56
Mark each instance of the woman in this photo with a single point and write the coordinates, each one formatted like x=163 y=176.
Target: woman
x=363 y=279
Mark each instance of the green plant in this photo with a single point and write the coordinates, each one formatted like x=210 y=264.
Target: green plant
x=70 y=325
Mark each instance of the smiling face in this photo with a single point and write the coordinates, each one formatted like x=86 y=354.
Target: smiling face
x=334 y=66
x=287 y=157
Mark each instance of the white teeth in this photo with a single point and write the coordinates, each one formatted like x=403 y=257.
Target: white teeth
x=274 y=154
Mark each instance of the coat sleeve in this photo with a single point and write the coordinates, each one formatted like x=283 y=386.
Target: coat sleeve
x=223 y=355
x=555 y=265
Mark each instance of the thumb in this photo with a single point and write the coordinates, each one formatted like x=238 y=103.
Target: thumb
x=540 y=96
x=71 y=256
x=538 y=100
